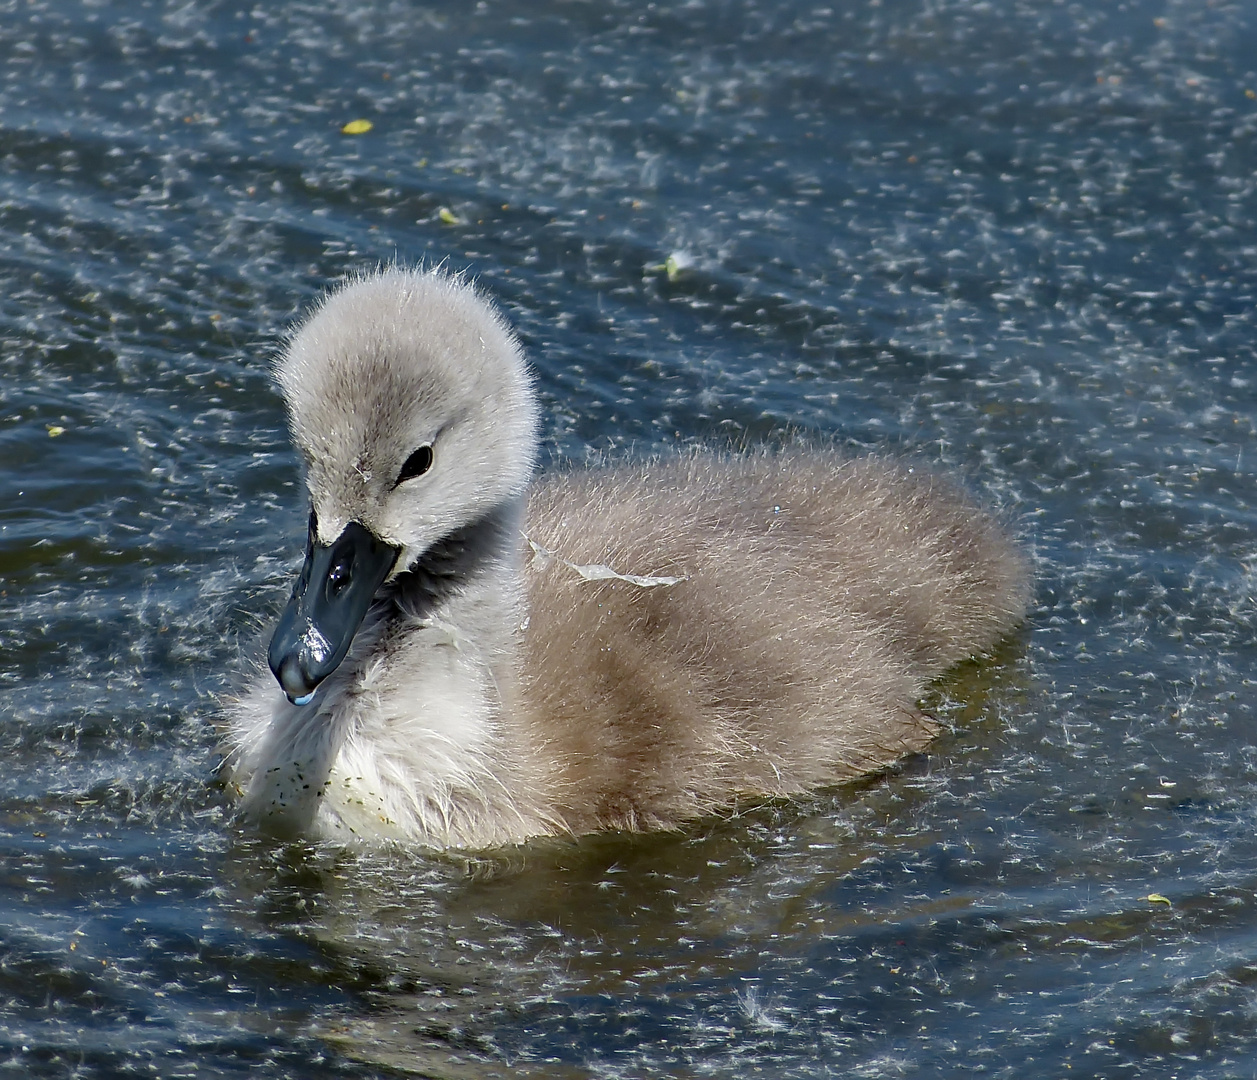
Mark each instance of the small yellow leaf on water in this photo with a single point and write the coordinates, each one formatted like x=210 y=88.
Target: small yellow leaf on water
x=55 y=429
x=1157 y=898
x=448 y=216
x=357 y=127
x=678 y=262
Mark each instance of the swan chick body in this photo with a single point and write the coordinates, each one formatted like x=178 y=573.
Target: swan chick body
x=466 y=662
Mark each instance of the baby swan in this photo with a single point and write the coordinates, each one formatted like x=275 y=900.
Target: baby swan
x=466 y=662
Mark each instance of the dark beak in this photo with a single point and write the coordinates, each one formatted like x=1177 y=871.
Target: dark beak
x=333 y=592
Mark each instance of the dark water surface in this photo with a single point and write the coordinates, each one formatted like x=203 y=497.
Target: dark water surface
x=1016 y=239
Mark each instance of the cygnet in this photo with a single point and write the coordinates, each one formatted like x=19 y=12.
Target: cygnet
x=471 y=658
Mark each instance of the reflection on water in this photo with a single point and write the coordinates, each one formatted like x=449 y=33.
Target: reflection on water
x=1014 y=239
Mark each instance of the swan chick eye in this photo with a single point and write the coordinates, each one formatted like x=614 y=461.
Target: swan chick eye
x=416 y=465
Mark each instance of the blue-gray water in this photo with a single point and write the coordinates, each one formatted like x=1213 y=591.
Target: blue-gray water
x=1015 y=239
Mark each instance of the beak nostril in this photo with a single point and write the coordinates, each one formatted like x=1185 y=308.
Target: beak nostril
x=338 y=578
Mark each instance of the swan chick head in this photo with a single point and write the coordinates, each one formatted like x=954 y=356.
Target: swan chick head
x=412 y=408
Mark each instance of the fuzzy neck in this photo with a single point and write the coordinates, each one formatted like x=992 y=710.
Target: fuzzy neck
x=414 y=713
x=426 y=714
x=490 y=544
